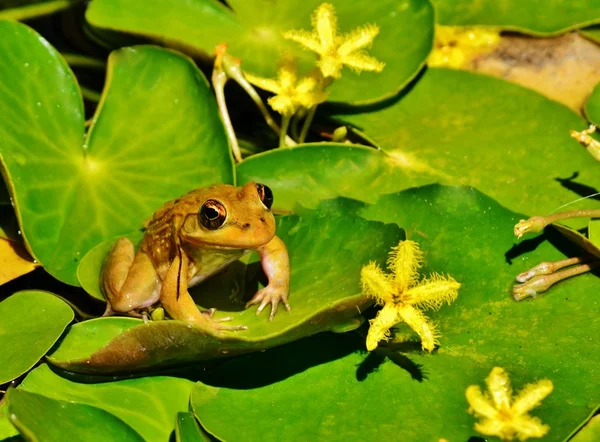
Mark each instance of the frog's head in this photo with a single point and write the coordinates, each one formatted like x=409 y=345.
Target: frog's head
x=230 y=217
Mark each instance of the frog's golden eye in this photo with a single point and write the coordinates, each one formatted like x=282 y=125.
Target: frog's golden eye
x=212 y=214
x=265 y=194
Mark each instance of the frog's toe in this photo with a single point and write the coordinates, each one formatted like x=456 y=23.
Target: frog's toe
x=272 y=296
x=210 y=312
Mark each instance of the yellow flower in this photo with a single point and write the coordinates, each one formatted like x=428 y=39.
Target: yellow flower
x=505 y=416
x=404 y=295
x=335 y=50
x=454 y=47
x=290 y=93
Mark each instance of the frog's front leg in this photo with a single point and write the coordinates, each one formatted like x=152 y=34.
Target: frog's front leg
x=276 y=265
x=178 y=302
x=129 y=281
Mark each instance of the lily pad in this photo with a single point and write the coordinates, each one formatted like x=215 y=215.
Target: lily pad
x=590 y=432
x=326 y=254
x=6 y=428
x=148 y=405
x=253 y=28
x=36 y=417
x=28 y=9
x=580 y=240
x=24 y=342
x=456 y=127
x=593 y=33
x=468 y=235
x=594 y=231
x=516 y=15
x=592 y=106
x=129 y=163
x=188 y=430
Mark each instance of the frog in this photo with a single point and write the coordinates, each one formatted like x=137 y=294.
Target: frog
x=190 y=239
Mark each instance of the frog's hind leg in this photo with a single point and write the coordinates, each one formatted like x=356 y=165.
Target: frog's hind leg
x=129 y=281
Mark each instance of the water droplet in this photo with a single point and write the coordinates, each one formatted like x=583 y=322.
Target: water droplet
x=85 y=147
x=26 y=65
x=19 y=232
x=176 y=100
x=39 y=104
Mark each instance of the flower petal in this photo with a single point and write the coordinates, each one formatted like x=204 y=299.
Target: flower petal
x=404 y=262
x=498 y=428
x=358 y=38
x=531 y=396
x=376 y=284
x=307 y=39
x=498 y=385
x=480 y=404
x=528 y=426
x=432 y=293
x=325 y=24
x=330 y=66
x=267 y=84
x=380 y=326
x=283 y=104
x=420 y=324
x=362 y=62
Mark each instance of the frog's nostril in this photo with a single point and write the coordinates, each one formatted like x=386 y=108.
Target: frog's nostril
x=262 y=220
x=246 y=226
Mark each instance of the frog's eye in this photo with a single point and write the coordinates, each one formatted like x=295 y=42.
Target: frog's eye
x=212 y=214
x=265 y=194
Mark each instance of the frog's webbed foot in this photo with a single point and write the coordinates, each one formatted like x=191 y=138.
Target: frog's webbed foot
x=270 y=295
x=217 y=322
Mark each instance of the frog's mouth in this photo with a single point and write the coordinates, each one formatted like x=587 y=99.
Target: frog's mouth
x=229 y=242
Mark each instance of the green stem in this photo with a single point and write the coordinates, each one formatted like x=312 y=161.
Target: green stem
x=234 y=72
x=307 y=122
x=294 y=126
x=82 y=61
x=219 y=78
x=285 y=122
x=537 y=223
x=90 y=94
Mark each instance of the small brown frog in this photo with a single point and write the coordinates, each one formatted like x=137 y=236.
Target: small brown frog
x=188 y=240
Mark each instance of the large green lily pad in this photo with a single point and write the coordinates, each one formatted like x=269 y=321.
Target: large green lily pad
x=592 y=106
x=148 y=405
x=457 y=127
x=538 y=17
x=36 y=417
x=72 y=192
x=32 y=321
x=468 y=235
x=326 y=255
x=188 y=430
x=253 y=28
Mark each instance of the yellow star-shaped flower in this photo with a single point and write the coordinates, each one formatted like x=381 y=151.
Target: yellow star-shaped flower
x=505 y=416
x=335 y=50
x=290 y=93
x=405 y=296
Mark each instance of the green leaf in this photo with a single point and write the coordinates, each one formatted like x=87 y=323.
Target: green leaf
x=309 y=173
x=593 y=33
x=40 y=418
x=590 y=432
x=252 y=29
x=578 y=239
x=136 y=156
x=594 y=232
x=456 y=127
x=32 y=321
x=516 y=15
x=188 y=430
x=326 y=255
x=592 y=106
x=7 y=429
x=148 y=405
x=27 y=9
x=401 y=393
